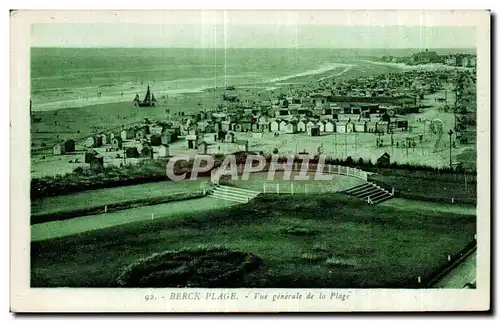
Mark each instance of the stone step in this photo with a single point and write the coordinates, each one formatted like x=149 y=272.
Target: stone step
x=382 y=198
x=233 y=194
x=365 y=193
x=356 y=188
x=235 y=189
x=377 y=194
x=229 y=198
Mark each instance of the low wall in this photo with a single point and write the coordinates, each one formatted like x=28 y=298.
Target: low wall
x=327 y=169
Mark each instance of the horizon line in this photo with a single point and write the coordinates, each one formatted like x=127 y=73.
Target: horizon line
x=152 y=47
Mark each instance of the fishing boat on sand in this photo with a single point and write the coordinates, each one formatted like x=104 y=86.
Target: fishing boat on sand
x=149 y=99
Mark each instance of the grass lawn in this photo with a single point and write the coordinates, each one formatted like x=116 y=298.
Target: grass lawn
x=432 y=188
x=102 y=197
x=304 y=241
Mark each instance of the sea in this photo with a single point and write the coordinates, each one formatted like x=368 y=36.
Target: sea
x=76 y=77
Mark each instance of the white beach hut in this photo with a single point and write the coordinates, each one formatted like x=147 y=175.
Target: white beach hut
x=329 y=126
x=301 y=126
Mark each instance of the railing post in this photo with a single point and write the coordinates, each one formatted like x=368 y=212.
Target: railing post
x=264 y=188
x=392 y=192
x=369 y=200
x=292 y=188
x=278 y=188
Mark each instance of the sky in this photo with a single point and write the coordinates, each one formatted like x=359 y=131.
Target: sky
x=248 y=36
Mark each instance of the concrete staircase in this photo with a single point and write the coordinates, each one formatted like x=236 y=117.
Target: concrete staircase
x=369 y=192
x=230 y=193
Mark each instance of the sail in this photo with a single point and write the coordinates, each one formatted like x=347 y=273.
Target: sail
x=153 y=99
x=136 y=98
x=147 y=98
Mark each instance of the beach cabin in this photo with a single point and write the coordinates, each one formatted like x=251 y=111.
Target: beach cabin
x=360 y=126
x=319 y=101
x=155 y=140
x=341 y=127
x=229 y=137
x=301 y=126
x=263 y=123
x=237 y=127
x=226 y=125
x=168 y=137
x=104 y=139
x=140 y=134
x=321 y=126
x=365 y=114
x=156 y=129
x=383 y=126
x=274 y=126
x=162 y=152
x=221 y=135
x=217 y=127
x=89 y=155
x=97 y=163
x=329 y=127
x=126 y=134
x=132 y=152
x=147 y=152
x=313 y=131
x=307 y=102
x=282 y=125
x=58 y=149
x=349 y=127
x=291 y=127
x=117 y=143
x=402 y=124
x=309 y=125
x=242 y=145
x=384 y=160
x=191 y=141
x=93 y=142
x=246 y=126
x=68 y=146
x=371 y=127
x=202 y=147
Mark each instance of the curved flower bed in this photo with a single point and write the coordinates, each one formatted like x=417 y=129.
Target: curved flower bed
x=200 y=267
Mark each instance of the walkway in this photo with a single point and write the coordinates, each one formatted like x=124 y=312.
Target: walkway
x=173 y=210
x=460 y=275
x=409 y=204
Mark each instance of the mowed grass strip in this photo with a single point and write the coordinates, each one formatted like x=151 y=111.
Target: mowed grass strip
x=328 y=240
x=102 y=197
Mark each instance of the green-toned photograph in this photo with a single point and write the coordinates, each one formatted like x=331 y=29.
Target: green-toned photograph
x=253 y=156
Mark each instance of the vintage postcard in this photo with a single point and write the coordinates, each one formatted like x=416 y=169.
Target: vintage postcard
x=250 y=161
